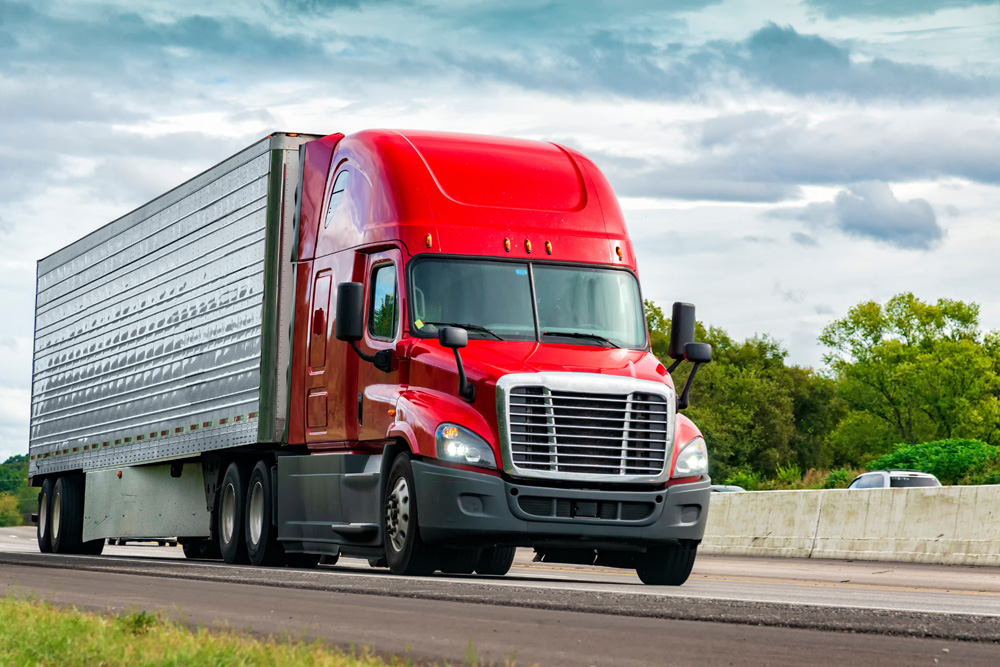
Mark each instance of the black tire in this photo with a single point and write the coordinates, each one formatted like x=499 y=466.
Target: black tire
x=405 y=552
x=302 y=561
x=45 y=517
x=458 y=561
x=261 y=535
x=229 y=515
x=67 y=515
x=93 y=547
x=202 y=550
x=668 y=565
x=495 y=561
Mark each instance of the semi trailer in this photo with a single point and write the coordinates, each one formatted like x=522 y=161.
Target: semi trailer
x=425 y=349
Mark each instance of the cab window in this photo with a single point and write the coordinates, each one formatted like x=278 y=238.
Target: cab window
x=383 y=312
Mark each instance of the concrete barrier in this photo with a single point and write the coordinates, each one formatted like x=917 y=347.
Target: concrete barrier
x=957 y=525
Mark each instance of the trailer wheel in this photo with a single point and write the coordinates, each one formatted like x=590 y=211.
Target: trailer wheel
x=232 y=500
x=44 y=519
x=261 y=534
x=202 y=549
x=668 y=565
x=405 y=552
x=67 y=515
x=495 y=560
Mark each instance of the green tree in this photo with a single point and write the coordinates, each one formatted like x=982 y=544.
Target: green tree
x=912 y=372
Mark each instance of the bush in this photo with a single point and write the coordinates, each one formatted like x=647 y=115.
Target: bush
x=747 y=479
x=954 y=461
x=839 y=478
x=10 y=515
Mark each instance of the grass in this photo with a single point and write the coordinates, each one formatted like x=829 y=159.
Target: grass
x=38 y=633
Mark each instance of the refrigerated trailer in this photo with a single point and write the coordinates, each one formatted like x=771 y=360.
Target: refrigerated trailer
x=425 y=349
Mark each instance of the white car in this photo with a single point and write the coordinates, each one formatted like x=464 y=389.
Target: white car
x=886 y=479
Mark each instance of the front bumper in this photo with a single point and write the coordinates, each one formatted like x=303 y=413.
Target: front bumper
x=462 y=507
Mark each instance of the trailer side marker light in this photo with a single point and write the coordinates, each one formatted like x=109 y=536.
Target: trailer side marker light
x=119 y=474
x=427 y=240
x=527 y=246
x=548 y=247
x=506 y=245
x=252 y=415
x=392 y=412
x=619 y=251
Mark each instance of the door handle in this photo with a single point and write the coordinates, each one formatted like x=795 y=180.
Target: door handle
x=319 y=323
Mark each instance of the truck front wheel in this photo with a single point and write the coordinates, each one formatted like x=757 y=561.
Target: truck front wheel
x=405 y=552
x=495 y=561
x=44 y=522
x=232 y=501
x=668 y=565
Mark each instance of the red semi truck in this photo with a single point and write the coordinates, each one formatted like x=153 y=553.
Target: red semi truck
x=424 y=349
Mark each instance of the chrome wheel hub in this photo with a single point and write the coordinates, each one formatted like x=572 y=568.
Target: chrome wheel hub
x=397 y=515
x=228 y=513
x=56 y=511
x=256 y=513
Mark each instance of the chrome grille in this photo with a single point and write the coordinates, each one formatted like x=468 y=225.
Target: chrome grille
x=556 y=432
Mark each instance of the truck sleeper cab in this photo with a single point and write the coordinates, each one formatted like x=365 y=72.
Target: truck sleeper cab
x=468 y=371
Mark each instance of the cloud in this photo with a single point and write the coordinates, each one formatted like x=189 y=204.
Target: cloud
x=842 y=8
x=760 y=156
x=804 y=239
x=870 y=210
x=784 y=59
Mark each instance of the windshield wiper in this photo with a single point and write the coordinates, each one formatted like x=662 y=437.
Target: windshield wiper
x=473 y=327
x=575 y=334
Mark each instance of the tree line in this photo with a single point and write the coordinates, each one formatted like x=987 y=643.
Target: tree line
x=897 y=374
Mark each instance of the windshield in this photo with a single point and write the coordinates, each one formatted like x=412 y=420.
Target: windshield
x=524 y=300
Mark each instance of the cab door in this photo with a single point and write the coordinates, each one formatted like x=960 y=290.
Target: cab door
x=317 y=354
x=378 y=390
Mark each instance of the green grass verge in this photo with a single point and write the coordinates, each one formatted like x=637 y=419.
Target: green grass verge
x=38 y=633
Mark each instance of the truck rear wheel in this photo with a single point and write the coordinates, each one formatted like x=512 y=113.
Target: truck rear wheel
x=44 y=522
x=405 y=552
x=667 y=565
x=232 y=501
x=495 y=560
x=261 y=534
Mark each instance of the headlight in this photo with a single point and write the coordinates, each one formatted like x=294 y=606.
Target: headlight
x=458 y=444
x=693 y=459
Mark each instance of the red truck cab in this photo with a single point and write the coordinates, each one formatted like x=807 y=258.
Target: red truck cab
x=469 y=348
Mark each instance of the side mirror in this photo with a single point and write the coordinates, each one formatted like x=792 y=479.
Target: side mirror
x=698 y=353
x=350 y=311
x=351 y=323
x=681 y=329
x=455 y=338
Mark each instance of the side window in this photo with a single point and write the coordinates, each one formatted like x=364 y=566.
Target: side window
x=382 y=310
x=336 y=196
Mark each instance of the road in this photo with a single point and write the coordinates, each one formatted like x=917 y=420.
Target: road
x=732 y=611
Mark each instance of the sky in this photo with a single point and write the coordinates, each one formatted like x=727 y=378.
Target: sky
x=777 y=162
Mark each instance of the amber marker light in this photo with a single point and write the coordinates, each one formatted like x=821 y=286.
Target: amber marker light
x=449 y=432
x=506 y=245
x=119 y=474
x=527 y=246
x=427 y=240
x=548 y=247
x=619 y=251
x=392 y=412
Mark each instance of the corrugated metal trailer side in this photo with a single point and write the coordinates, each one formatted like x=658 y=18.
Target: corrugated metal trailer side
x=165 y=333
